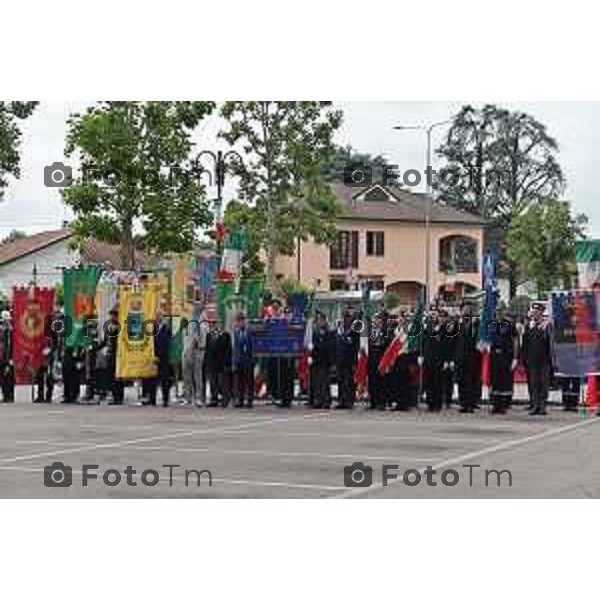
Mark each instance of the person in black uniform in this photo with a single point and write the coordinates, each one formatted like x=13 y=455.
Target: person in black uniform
x=51 y=357
x=433 y=354
x=503 y=361
x=243 y=363
x=468 y=359
x=7 y=376
x=347 y=342
x=401 y=392
x=378 y=343
x=218 y=365
x=321 y=360
x=70 y=374
x=538 y=358
x=111 y=337
x=449 y=328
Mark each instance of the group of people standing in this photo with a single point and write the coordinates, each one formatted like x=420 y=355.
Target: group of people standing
x=219 y=367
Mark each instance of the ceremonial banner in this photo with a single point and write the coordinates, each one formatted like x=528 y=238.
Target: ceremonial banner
x=182 y=299
x=107 y=295
x=31 y=306
x=161 y=280
x=233 y=253
x=80 y=294
x=587 y=255
x=207 y=268
x=135 y=355
x=576 y=321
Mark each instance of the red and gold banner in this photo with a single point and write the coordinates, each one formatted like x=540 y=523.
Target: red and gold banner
x=31 y=307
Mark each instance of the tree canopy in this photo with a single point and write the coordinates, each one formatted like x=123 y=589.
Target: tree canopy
x=541 y=241
x=284 y=146
x=10 y=136
x=137 y=185
x=505 y=162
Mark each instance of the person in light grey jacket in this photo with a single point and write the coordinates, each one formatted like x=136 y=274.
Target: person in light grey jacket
x=194 y=347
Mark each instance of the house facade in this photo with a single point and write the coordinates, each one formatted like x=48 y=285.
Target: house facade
x=48 y=253
x=382 y=238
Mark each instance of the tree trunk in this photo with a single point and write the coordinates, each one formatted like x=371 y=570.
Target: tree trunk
x=271 y=258
x=127 y=247
x=512 y=279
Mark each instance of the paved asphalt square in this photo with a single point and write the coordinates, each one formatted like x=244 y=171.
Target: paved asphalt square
x=299 y=453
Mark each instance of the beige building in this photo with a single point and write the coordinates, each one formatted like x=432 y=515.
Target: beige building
x=381 y=237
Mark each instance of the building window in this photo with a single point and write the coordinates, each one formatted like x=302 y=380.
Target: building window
x=344 y=251
x=458 y=254
x=336 y=284
x=375 y=243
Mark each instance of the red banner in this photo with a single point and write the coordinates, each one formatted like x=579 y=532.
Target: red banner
x=31 y=306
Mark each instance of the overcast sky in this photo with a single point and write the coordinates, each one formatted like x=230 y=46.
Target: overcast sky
x=31 y=207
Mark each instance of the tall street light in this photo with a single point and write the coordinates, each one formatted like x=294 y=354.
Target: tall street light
x=428 y=198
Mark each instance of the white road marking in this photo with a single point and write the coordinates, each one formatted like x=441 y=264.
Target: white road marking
x=388 y=438
x=275 y=453
x=556 y=431
x=240 y=426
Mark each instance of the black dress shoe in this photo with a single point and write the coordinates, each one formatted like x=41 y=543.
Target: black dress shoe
x=340 y=407
x=212 y=404
x=534 y=411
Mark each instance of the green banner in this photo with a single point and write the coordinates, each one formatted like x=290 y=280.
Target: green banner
x=79 y=291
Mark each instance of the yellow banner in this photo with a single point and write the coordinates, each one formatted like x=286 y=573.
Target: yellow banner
x=137 y=306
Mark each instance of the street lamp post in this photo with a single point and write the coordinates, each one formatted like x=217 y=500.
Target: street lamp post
x=428 y=198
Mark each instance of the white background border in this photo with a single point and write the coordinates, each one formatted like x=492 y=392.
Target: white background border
x=298 y=549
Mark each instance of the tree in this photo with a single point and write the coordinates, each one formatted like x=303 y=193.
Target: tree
x=10 y=137
x=285 y=146
x=542 y=242
x=343 y=156
x=13 y=236
x=503 y=162
x=137 y=187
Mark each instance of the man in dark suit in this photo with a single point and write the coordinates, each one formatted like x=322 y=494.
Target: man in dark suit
x=218 y=365
x=537 y=353
x=321 y=360
x=468 y=359
x=162 y=342
x=346 y=356
x=378 y=343
x=243 y=363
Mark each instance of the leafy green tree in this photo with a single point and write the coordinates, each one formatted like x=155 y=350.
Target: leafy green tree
x=135 y=187
x=343 y=156
x=10 y=137
x=542 y=242
x=285 y=145
x=506 y=161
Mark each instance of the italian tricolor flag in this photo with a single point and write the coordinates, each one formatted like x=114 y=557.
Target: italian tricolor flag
x=233 y=252
x=587 y=255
